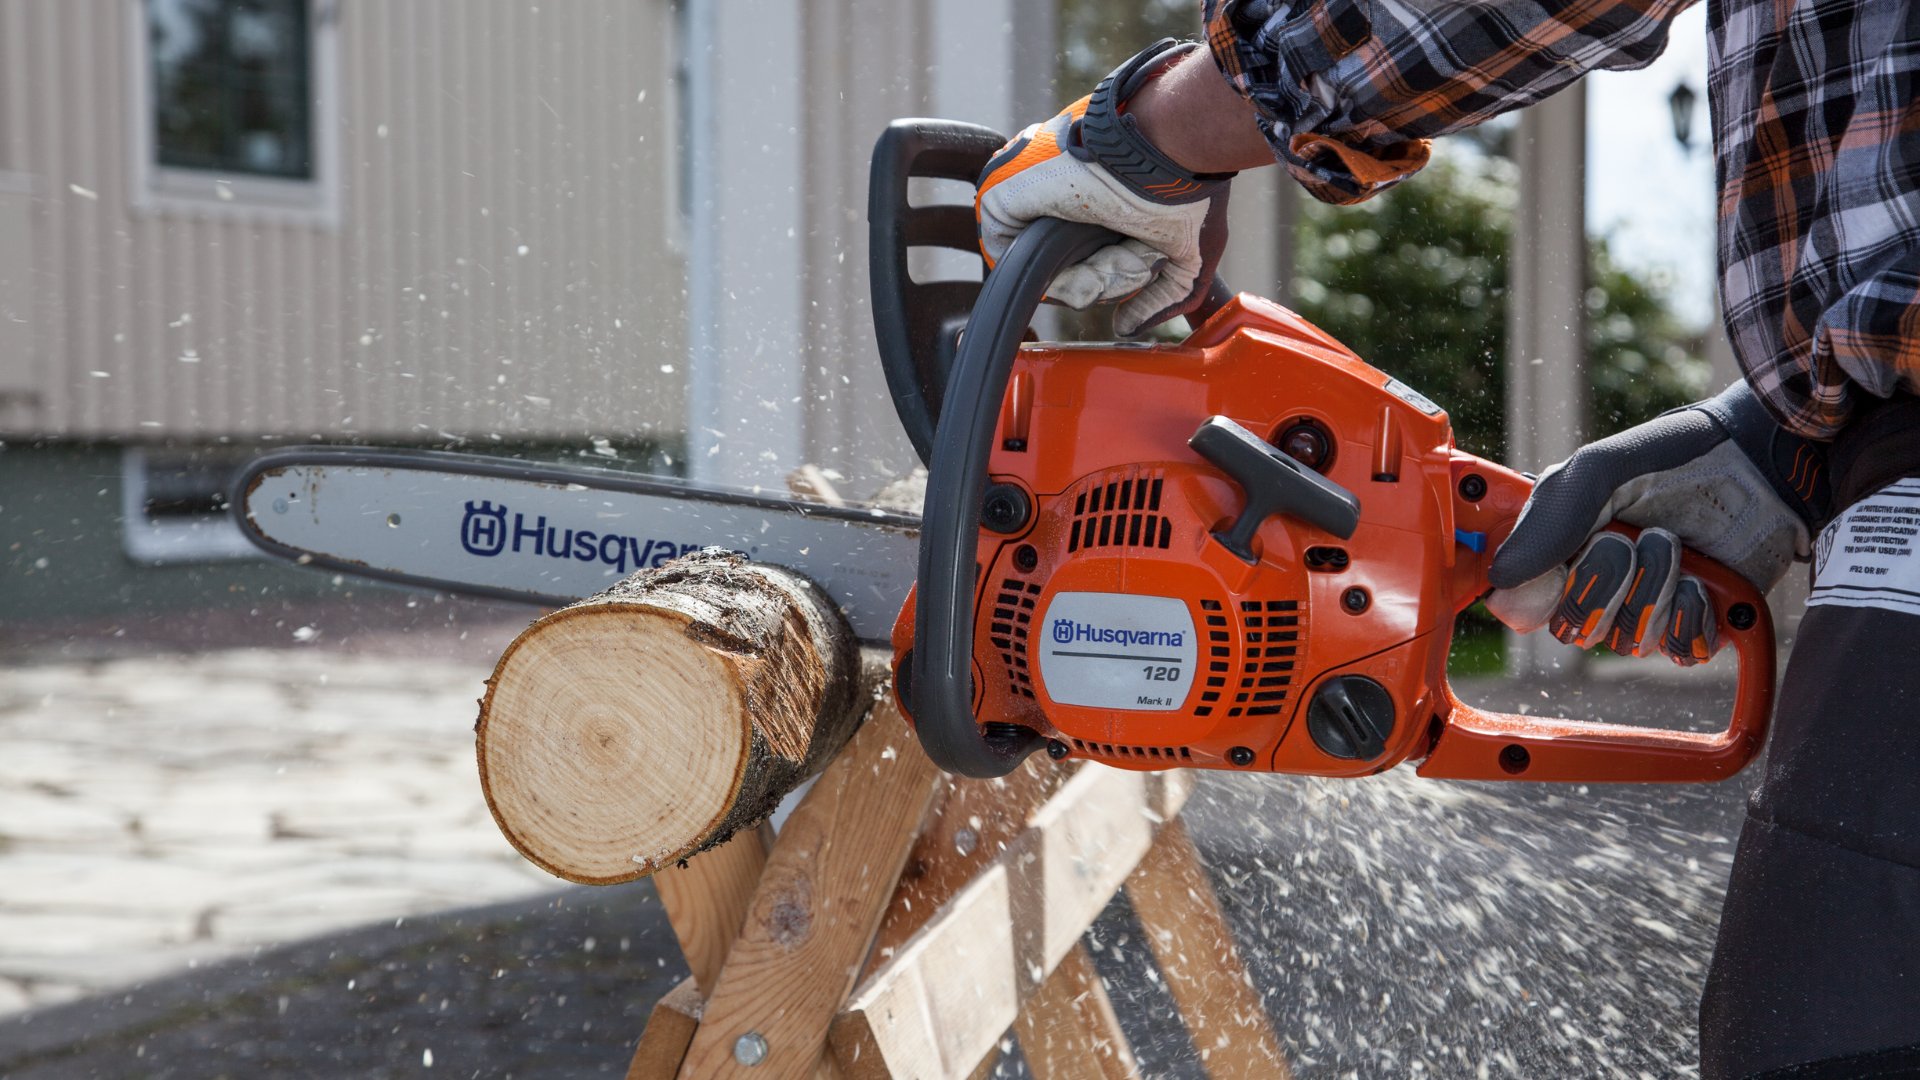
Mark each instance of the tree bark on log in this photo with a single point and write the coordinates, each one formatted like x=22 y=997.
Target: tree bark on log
x=626 y=732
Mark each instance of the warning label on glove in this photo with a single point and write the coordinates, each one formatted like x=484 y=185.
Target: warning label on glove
x=1115 y=651
x=1866 y=557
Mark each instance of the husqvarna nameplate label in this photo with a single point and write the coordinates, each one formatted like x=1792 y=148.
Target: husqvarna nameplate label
x=1115 y=651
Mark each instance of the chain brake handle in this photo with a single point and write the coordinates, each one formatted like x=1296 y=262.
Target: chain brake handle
x=1479 y=744
x=917 y=324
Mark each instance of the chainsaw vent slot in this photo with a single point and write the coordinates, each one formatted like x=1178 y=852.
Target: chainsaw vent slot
x=1121 y=510
x=1012 y=615
x=1272 y=646
x=1135 y=753
x=1218 y=618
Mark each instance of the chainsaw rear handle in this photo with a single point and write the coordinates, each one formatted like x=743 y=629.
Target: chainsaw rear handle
x=1477 y=744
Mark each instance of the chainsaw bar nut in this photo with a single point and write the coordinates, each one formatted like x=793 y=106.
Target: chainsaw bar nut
x=1356 y=600
x=1025 y=558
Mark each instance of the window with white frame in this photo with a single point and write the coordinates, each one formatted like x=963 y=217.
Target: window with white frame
x=232 y=91
x=233 y=106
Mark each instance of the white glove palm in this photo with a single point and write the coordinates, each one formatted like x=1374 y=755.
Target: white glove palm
x=1090 y=164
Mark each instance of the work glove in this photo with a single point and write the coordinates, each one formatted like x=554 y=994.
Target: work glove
x=1718 y=476
x=1090 y=163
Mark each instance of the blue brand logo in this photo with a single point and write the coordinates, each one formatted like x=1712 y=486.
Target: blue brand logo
x=484 y=530
x=1066 y=632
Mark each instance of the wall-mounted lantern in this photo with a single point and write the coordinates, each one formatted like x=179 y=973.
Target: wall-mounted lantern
x=1680 y=103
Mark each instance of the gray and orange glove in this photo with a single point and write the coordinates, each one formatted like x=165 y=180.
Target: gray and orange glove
x=1719 y=476
x=1090 y=163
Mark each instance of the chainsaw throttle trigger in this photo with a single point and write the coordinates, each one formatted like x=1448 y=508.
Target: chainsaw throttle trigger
x=1274 y=484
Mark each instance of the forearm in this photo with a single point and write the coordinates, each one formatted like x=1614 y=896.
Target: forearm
x=1348 y=91
x=1194 y=116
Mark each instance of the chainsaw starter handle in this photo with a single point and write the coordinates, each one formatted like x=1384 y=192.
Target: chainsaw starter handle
x=942 y=674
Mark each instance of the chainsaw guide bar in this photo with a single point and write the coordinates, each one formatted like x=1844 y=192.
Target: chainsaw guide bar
x=553 y=534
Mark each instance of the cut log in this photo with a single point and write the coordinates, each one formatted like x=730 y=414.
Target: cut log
x=623 y=733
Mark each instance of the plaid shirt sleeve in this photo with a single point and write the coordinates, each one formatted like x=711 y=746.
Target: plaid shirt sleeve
x=1817 y=151
x=1816 y=147
x=1349 y=92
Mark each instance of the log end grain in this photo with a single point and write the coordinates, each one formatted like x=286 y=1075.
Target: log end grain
x=624 y=733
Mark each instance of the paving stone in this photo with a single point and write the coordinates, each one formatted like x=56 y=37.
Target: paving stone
x=162 y=810
x=508 y=990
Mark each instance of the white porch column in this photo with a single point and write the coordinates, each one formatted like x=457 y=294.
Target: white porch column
x=1547 y=399
x=784 y=111
x=973 y=50
x=1259 y=255
x=744 y=289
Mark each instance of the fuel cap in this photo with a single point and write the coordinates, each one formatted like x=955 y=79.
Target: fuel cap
x=1351 y=716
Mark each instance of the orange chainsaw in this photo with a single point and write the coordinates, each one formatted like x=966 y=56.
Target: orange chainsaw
x=1243 y=551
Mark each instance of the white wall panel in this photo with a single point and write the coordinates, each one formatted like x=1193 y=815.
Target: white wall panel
x=16 y=286
x=506 y=125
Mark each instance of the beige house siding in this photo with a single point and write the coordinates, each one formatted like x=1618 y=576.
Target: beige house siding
x=466 y=130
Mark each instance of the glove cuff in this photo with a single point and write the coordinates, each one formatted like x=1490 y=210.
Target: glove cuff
x=1796 y=468
x=1113 y=138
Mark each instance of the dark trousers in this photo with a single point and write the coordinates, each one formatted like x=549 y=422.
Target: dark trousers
x=1816 y=974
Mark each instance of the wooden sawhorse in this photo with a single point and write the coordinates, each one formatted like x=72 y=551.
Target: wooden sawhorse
x=903 y=920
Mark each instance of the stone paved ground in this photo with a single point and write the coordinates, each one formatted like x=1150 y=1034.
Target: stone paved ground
x=557 y=986
x=1397 y=927
x=163 y=810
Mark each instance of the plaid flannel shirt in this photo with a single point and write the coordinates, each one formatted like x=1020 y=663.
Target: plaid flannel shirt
x=1816 y=124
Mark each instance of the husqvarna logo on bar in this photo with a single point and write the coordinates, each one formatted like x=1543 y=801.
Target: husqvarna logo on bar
x=1066 y=632
x=484 y=531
